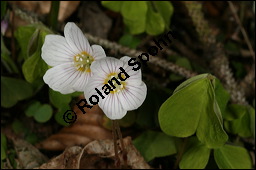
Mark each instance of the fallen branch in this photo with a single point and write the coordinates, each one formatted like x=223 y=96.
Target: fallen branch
x=166 y=65
x=215 y=51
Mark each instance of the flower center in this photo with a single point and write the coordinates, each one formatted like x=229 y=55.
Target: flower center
x=83 y=61
x=113 y=80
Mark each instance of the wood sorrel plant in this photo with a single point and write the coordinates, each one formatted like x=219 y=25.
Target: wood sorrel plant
x=198 y=106
x=124 y=93
x=76 y=66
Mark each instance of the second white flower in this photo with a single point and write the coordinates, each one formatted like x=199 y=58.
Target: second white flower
x=115 y=87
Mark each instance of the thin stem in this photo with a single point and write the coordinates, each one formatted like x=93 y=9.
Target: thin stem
x=124 y=153
x=115 y=143
x=6 y=59
x=3 y=8
x=6 y=66
x=180 y=153
x=53 y=15
x=12 y=39
x=242 y=29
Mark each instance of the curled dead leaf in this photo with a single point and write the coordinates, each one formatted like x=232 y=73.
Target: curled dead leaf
x=28 y=155
x=96 y=154
x=43 y=7
x=39 y=8
x=67 y=160
x=88 y=127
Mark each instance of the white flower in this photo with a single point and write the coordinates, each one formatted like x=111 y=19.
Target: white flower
x=127 y=95
x=70 y=57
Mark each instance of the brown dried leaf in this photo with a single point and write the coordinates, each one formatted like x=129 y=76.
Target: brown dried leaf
x=28 y=156
x=43 y=7
x=66 y=9
x=105 y=149
x=87 y=127
x=39 y=8
x=67 y=160
x=97 y=154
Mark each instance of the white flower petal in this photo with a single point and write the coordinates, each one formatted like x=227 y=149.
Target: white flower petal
x=81 y=81
x=89 y=90
x=135 y=76
x=112 y=107
x=99 y=69
x=76 y=39
x=56 y=51
x=116 y=105
x=105 y=66
x=62 y=78
x=98 y=52
x=133 y=96
x=125 y=59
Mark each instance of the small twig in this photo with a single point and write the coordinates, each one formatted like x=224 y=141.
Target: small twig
x=186 y=51
x=248 y=83
x=242 y=29
x=145 y=40
x=167 y=65
x=154 y=60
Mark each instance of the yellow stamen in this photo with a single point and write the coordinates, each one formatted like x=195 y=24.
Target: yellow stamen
x=118 y=87
x=83 y=61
